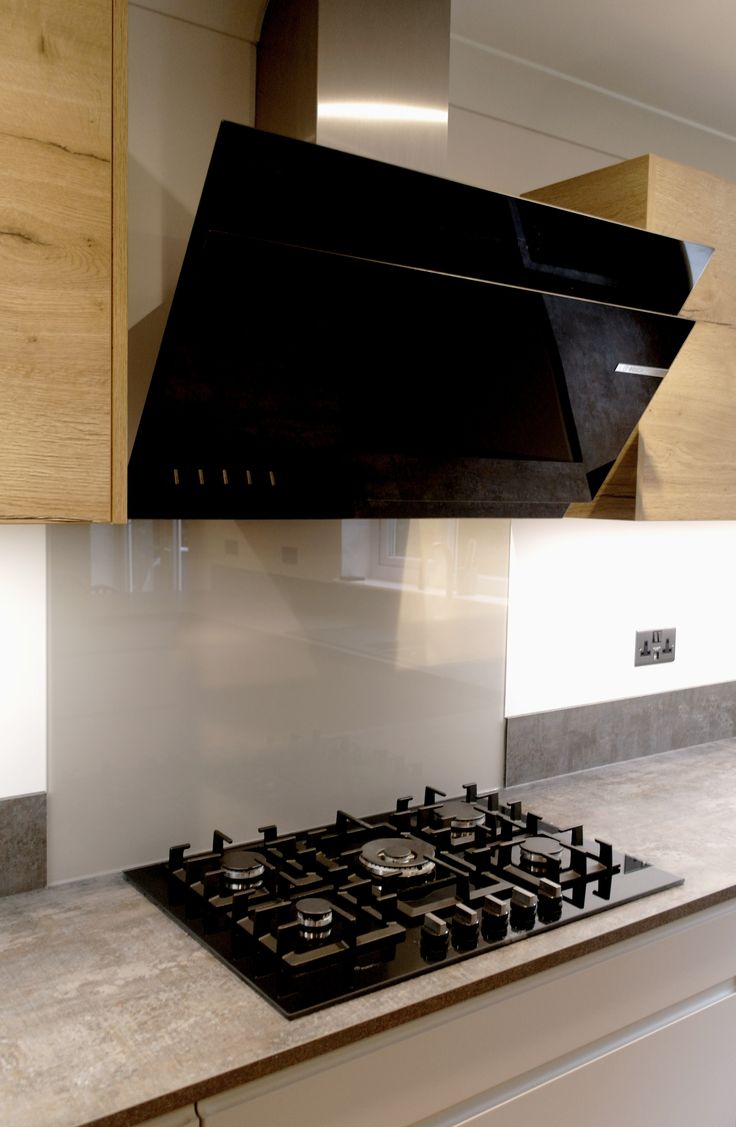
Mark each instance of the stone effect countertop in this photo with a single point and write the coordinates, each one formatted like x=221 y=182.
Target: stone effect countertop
x=111 y=1014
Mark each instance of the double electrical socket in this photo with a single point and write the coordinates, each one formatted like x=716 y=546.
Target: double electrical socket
x=653 y=647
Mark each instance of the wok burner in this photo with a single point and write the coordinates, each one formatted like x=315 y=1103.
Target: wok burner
x=310 y=918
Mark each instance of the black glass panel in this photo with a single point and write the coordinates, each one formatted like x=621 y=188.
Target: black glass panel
x=283 y=190
x=348 y=337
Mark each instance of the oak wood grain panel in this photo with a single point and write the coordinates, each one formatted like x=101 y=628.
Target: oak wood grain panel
x=687 y=435
x=55 y=259
x=119 y=437
x=671 y=199
x=689 y=204
x=619 y=192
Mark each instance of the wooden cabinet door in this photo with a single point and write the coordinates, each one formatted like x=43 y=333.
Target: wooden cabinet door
x=62 y=276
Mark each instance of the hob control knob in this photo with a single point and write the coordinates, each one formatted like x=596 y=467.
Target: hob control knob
x=465 y=927
x=495 y=918
x=434 y=938
x=521 y=898
x=550 y=901
x=550 y=889
x=523 y=909
x=496 y=908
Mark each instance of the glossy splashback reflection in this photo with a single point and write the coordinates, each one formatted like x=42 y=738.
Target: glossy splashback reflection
x=223 y=675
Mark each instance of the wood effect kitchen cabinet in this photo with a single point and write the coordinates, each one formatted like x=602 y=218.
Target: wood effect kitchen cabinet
x=679 y=463
x=640 y=1032
x=63 y=320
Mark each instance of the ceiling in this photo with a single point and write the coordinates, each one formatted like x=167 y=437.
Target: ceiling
x=673 y=55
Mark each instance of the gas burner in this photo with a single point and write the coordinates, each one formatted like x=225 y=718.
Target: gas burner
x=242 y=869
x=314 y=915
x=539 y=853
x=462 y=816
x=398 y=856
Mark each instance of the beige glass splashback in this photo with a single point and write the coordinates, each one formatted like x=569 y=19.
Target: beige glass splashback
x=228 y=674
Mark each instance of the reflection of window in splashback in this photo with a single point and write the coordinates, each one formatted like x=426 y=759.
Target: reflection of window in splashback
x=451 y=556
x=224 y=673
x=144 y=555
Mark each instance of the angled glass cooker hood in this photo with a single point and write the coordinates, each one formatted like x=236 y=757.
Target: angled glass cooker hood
x=350 y=338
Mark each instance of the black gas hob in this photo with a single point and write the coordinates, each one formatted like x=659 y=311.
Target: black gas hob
x=322 y=915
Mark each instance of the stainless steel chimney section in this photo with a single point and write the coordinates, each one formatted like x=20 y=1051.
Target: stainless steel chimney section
x=365 y=76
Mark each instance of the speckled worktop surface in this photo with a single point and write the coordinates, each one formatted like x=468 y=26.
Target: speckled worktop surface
x=111 y=1014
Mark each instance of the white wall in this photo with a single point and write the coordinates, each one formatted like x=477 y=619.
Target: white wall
x=580 y=589
x=191 y=64
x=184 y=78
x=22 y=660
x=516 y=125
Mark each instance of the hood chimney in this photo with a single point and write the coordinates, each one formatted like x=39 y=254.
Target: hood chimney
x=366 y=77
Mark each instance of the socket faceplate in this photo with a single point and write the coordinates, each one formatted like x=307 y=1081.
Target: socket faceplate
x=655 y=647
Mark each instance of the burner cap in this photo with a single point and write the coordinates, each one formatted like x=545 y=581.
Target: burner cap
x=537 y=852
x=404 y=856
x=314 y=914
x=314 y=911
x=241 y=868
x=462 y=815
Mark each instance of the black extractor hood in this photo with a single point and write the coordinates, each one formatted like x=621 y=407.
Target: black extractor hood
x=350 y=338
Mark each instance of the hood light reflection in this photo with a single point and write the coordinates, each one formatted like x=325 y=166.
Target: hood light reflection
x=380 y=111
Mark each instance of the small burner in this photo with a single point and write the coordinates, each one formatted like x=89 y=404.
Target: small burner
x=401 y=856
x=314 y=914
x=462 y=816
x=538 y=852
x=242 y=869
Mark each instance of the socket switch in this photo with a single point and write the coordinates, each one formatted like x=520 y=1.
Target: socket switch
x=654 y=647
